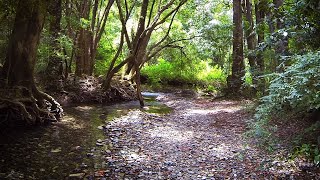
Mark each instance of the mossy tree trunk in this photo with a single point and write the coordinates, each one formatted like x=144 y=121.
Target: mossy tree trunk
x=19 y=92
x=235 y=81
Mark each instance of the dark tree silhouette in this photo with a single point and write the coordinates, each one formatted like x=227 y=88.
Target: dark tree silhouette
x=19 y=92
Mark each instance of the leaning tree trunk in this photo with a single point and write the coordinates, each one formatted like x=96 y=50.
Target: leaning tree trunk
x=235 y=80
x=20 y=94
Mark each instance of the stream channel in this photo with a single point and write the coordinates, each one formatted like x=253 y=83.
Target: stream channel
x=67 y=148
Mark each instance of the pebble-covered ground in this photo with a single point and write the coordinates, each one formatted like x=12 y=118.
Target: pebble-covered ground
x=196 y=138
x=200 y=139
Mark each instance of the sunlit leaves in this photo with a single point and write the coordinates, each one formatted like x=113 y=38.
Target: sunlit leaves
x=296 y=89
x=84 y=23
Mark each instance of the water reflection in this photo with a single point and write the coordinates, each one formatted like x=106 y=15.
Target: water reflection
x=67 y=147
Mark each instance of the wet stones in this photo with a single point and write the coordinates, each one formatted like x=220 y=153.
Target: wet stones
x=181 y=145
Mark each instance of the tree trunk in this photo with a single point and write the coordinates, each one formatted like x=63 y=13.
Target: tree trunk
x=83 y=54
x=139 y=37
x=260 y=15
x=138 y=47
x=138 y=83
x=90 y=34
x=55 y=65
x=83 y=57
x=235 y=80
x=18 y=72
x=281 y=48
x=251 y=41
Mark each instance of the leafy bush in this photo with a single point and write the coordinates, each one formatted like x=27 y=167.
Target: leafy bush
x=294 y=91
x=198 y=73
x=307 y=150
x=160 y=72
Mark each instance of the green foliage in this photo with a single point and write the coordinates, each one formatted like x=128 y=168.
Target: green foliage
x=294 y=91
x=212 y=22
x=309 y=151
x=84 y=23
x=303 y=17
x=160 y=72
x=297 y=89
x=200 y=73
x=66 y=43
x=44 y=52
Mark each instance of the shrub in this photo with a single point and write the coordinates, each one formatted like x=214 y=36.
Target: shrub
x=198 y=73
x=294 y=91
x=297 y=89
x=160 y=72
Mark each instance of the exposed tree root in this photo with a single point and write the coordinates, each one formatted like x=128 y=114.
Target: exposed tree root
x=29 y=107
x=89 y=89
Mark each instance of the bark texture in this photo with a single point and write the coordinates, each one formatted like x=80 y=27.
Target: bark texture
x=260 y=18
x=95 y=15
x=19 y=93
x=251 y=40
x=235 y=80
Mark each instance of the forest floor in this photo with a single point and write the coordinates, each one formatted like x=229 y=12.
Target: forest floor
x=196 y=138
x=200 y=139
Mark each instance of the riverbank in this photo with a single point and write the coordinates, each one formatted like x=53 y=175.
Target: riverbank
x=178 y=136
x=200 y=139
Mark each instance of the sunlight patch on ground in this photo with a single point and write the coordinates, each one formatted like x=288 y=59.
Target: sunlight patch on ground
x=171 y=134
x=132 y=117
x=211 y=111
x=132 y=155
x=70 y=122
x=221 y=149
x=84 y=108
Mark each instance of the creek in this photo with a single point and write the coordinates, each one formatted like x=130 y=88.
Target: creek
x=67 y=147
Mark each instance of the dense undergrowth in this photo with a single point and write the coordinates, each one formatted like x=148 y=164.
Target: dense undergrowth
x=293 y=95
x=212 y=78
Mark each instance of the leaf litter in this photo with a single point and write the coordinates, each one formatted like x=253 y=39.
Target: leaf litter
x=200 y=139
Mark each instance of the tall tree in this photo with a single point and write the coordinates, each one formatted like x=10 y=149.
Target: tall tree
x=140 y=49
x=260 y=17
x=251 y=39
x=93 y=17
x=282 y=43
x=55 y=65
x=235 y=80
x=18 y=73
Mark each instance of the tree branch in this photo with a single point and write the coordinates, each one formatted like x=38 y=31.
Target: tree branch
x=150 y=13
x=105 y=18
x=123 y=22
x=167 y=34
x=168 y=45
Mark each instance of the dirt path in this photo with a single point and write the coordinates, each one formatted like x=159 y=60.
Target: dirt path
x=200 y=139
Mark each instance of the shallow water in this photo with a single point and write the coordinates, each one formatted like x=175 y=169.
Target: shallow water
x=67 y=147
